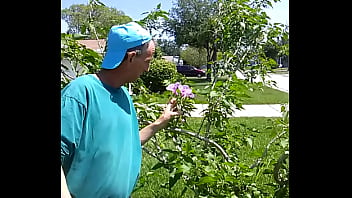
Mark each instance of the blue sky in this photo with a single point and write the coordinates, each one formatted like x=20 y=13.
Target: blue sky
x=279 y=13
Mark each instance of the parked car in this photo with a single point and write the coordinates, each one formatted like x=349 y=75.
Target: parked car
x=203 y=67
x=190 y=71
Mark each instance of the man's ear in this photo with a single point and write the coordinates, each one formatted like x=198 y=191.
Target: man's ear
x=131 y=55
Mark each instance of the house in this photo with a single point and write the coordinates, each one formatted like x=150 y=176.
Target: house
x=96 y=45
x=173 y=59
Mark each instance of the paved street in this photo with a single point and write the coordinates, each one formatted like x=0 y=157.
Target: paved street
x=282 y=81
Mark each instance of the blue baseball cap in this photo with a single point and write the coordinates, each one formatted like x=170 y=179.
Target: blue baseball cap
x=121 y=38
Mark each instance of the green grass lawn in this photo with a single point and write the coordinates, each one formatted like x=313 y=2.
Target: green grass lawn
x=282 y=70
x=256 y=127
x=266 y=96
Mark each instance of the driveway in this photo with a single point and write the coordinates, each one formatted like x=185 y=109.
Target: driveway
x=282 y=80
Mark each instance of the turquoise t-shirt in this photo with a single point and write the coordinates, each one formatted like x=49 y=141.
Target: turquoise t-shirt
x=100 y=145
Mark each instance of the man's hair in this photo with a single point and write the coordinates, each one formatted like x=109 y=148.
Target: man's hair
x=140 y=49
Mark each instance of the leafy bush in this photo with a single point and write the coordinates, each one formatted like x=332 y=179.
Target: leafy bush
x=76 y=59
x=159 y=71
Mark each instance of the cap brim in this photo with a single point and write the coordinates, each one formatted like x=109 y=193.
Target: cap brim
x=113 y=59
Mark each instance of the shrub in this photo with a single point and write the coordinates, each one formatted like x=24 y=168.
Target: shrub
x=159 y=71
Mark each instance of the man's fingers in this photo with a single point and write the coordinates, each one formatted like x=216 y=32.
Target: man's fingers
x=171 y=104
x=172 y=101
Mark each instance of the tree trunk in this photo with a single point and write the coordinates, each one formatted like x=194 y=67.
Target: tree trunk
x=211 y=58
x=214 y=58
x=209 y=71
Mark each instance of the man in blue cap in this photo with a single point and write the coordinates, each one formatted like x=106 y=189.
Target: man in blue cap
x=101 y=150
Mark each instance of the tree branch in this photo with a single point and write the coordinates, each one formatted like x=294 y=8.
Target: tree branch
x=222 y=151
x=266 y=149
x=153 y=155
x=91 y=27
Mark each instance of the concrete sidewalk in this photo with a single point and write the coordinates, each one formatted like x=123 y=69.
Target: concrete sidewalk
x=259 y=110
x=256 y=110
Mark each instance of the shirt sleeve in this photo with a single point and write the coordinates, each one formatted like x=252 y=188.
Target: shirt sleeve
x=72 y=118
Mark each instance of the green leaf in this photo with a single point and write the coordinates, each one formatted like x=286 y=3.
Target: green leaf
x=170 y=151
x=174 y=179
x=158 y=165
x=248 y=174
x=242 y=24
x=183 y=191
x=187 y=159
x=206 y=179
x=268 y=171
x=208 y=169
x=219 y=83
x=213 y=94
x=150 y=173
x=250 y=142
x=230 y=179
x=183 y=169
x=284 y=143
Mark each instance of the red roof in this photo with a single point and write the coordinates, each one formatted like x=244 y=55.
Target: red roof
x=93 y=44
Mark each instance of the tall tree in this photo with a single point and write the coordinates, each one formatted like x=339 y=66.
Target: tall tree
x=94 y=19
x=277 y=49
x=236 y=28
x=194 y=56
x=168 y=47
x=190 y=22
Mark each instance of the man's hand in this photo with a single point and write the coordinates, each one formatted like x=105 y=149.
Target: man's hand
x=170 y=111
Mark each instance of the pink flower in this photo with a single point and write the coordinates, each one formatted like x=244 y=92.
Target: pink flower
x=173 y=87
x=185 y=90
